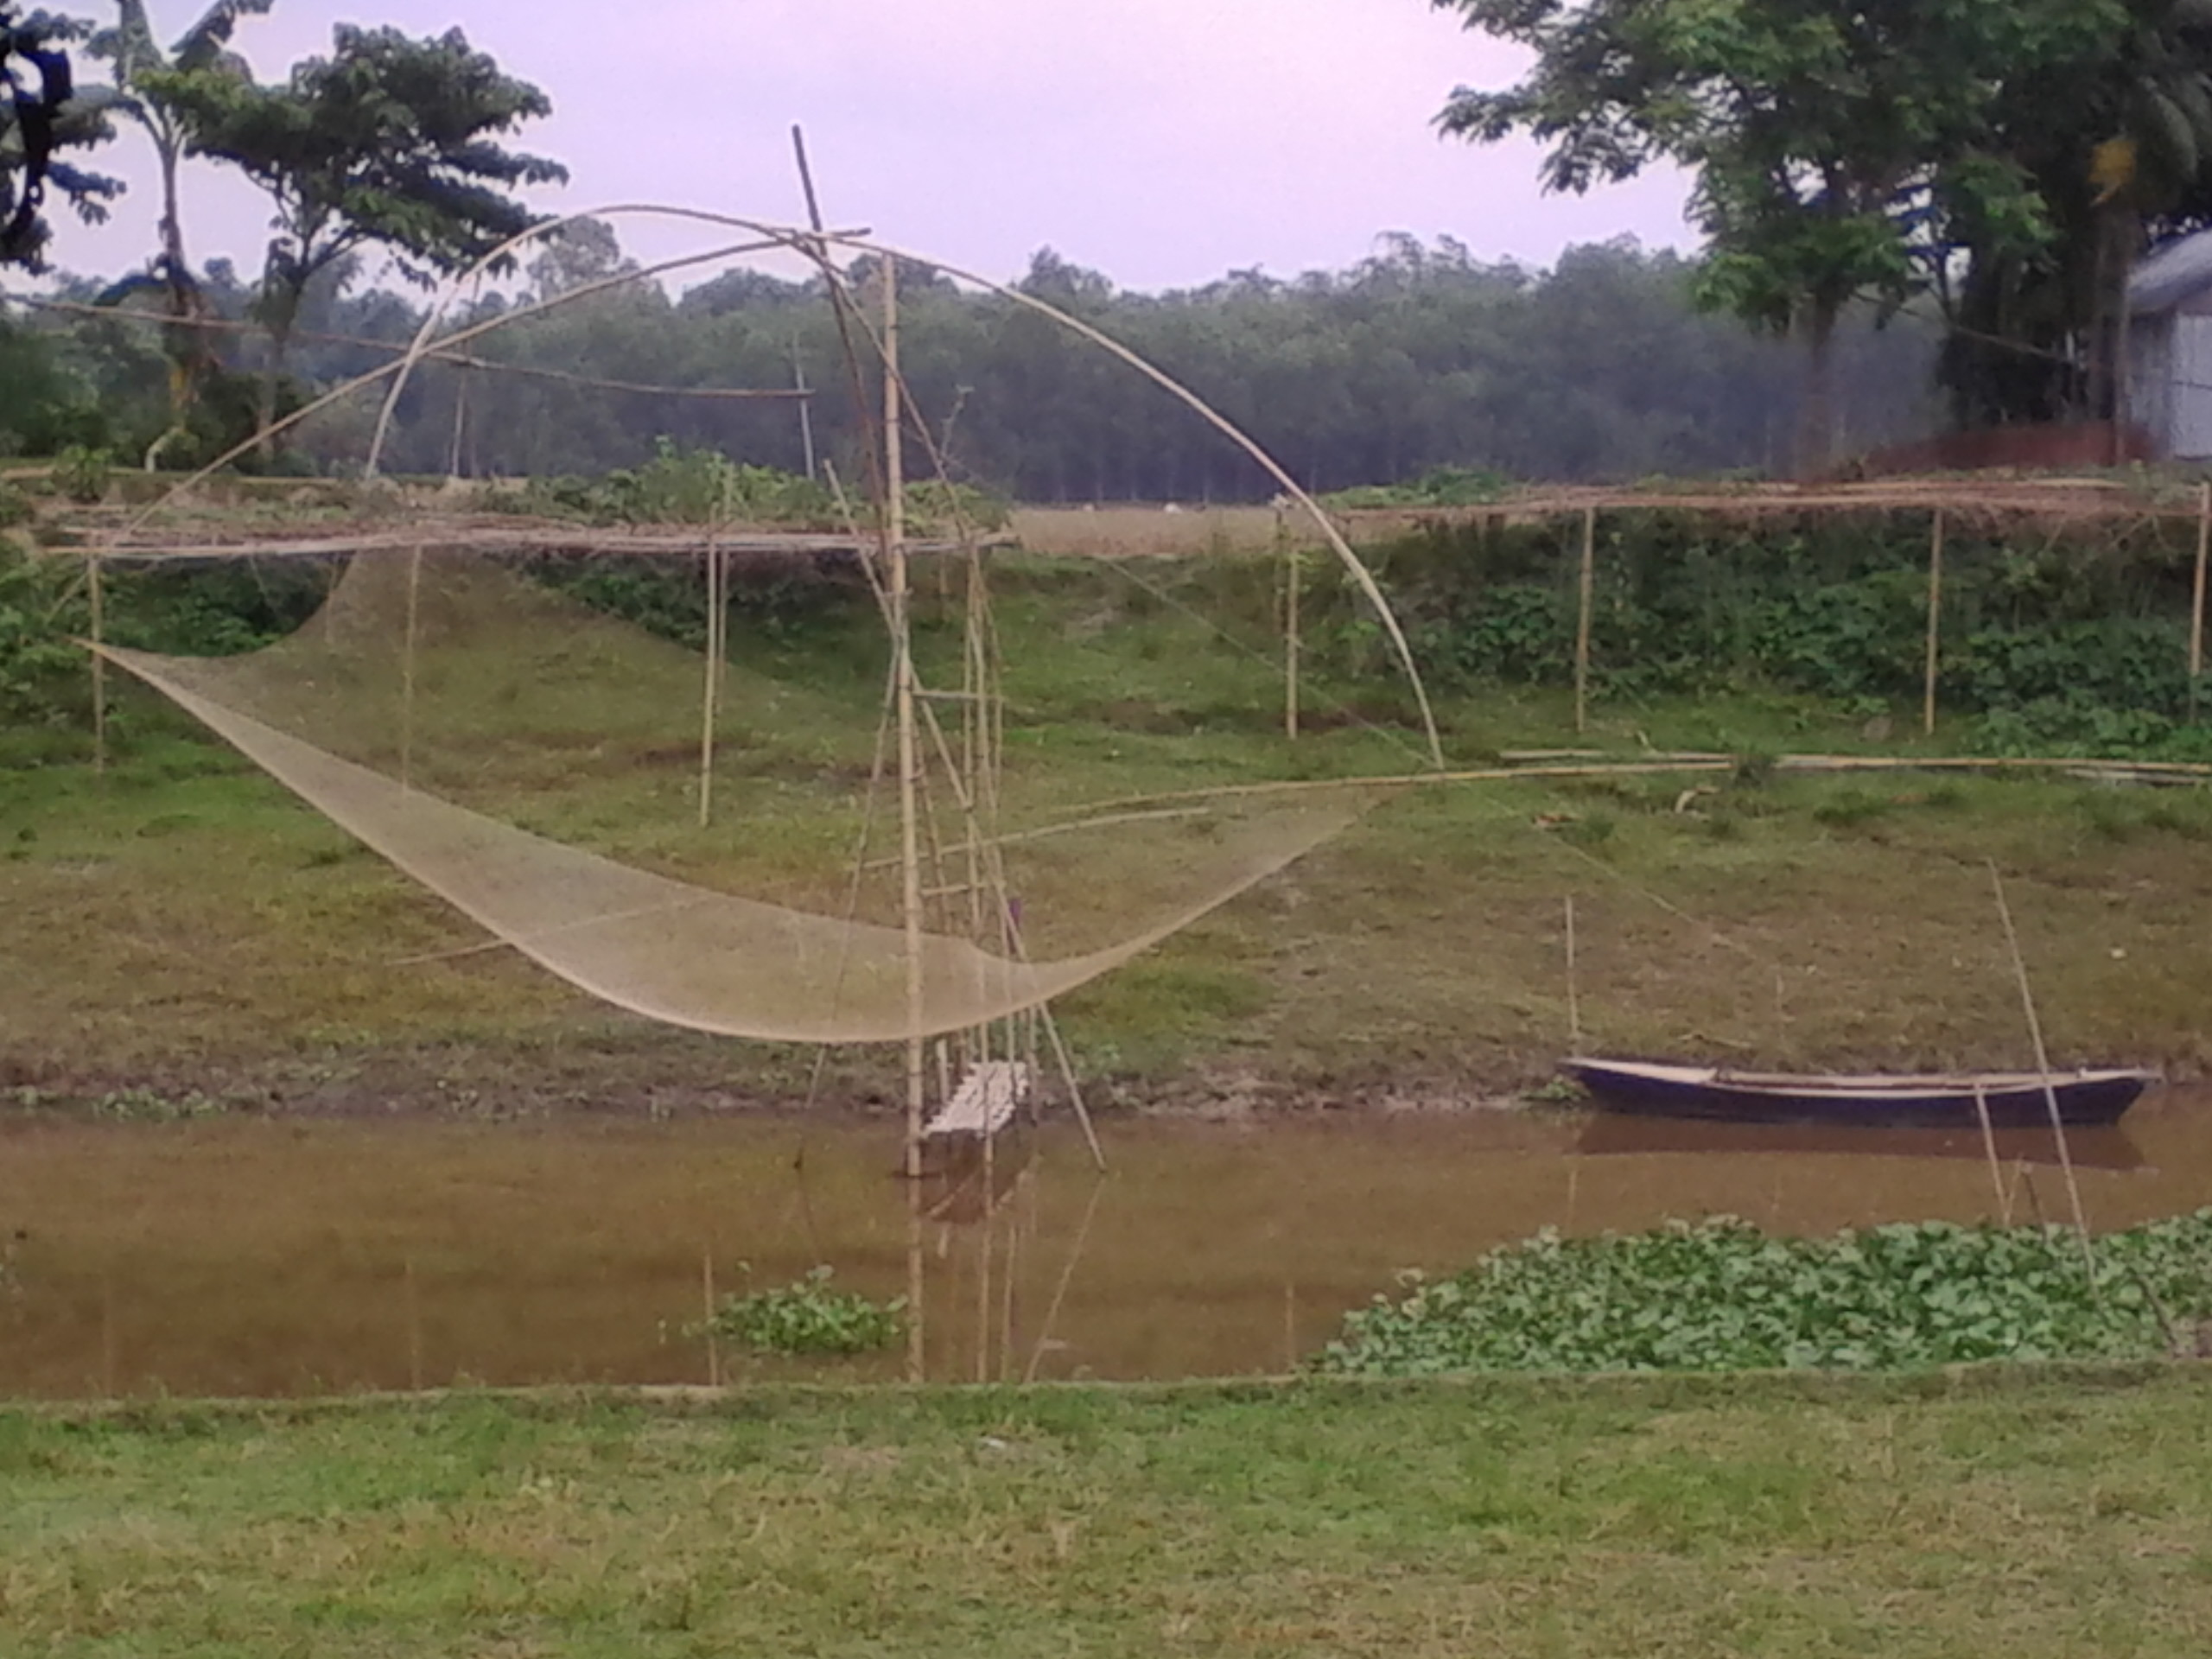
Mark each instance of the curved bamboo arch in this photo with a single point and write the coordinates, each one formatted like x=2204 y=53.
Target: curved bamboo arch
x=814 y=245
x=766 y=236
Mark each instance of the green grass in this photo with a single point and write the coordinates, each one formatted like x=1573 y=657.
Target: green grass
x=2033 y=1514
x=182 y=922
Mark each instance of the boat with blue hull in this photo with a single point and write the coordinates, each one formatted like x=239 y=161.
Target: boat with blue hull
x=1940 y=1100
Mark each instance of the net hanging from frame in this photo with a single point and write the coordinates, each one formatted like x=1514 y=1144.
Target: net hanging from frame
x=527 y=757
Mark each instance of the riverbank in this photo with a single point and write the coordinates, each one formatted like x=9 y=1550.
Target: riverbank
x=2036 y=1512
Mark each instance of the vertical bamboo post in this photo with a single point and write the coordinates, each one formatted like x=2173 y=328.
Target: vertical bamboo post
x=710 y=694
x=1290 y=639
x=910 y=862
x=1289 y=1327
x=107 y=1334
x=1935 y=620
x=1573 y=995
x=100 y=665
x=1589 y=587
x=2196 y=596
x=414 y=1330
x=806 y=411
x=983 y=1273
x=707 y=1301
x=407 y=671
x=2043 y=1069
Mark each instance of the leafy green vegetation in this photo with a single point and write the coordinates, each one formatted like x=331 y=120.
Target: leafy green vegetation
x=809 y=1317
x=1721 y=1295
x=2042 y=1515
x=2073 y=644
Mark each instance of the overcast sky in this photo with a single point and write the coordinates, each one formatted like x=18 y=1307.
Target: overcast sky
x=1162 y=142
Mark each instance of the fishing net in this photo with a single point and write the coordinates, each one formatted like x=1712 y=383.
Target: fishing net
x=536 y=762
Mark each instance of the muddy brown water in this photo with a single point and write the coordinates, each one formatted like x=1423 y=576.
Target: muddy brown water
x=282 y=1257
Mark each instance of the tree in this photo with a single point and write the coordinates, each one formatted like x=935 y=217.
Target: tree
x=2118 y=144
x=1837 y=144
x=143 y=75
x=42 y=113
x=386 y=141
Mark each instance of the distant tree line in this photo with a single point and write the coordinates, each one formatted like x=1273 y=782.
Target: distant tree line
x=1418 y=357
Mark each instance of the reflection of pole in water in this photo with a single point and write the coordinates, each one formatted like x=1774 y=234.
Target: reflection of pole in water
x=1067 y=1274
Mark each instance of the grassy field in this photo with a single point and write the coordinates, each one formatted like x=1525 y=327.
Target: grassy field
x=182 y=925
x=2033 y=1514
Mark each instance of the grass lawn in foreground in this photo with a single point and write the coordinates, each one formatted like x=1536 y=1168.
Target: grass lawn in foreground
x=2021 y=1512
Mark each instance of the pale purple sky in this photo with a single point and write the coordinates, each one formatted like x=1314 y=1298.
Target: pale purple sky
x=1162 y=142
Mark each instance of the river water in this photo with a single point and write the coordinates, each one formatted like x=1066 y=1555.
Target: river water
x=300 y=1256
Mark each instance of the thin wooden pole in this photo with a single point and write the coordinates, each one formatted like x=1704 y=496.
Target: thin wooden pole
x=407 y=672
x=1573 y=997
x=1290 y=637
x=2043 y=1067
x=805 y=409
x=711 y=695
x=1935 y=620
x=1589 y=588
x=95 y=591
x=910 y=862
x=414 y=1332
x=2196 y=597
x=1067 y=1275
x=707 y=1297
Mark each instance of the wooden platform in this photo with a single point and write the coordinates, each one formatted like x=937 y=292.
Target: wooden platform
x=985 y=1103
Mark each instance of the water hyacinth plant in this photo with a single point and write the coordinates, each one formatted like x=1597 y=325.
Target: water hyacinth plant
x=807 y=1317
x=1721 y=1295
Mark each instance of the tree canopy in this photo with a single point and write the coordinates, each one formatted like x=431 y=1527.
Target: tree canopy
x=42 y=113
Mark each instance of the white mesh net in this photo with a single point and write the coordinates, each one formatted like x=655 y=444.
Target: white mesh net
x=532 y=759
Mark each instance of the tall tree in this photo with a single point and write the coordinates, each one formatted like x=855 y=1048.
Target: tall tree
x=1835 y=143
x=387 y=141
x=143 y=75
x=43 y=112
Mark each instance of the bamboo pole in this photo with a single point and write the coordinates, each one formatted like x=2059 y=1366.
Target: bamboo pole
x=414 y=1332
x=2196 y=596
x=1573 y=998
x=95 y=589
x=2042 y=1068
x=710 y=694
x=407 y=672
x=1589 y=587
x=909 y=865
x=1290 y=638
x=1989 y=1150
x=1935 y=620
x=707 y=1297
x=1067 y=1276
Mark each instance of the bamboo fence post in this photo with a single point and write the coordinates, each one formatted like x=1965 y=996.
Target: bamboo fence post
x=1935 y=620
x=1582 y=618
x=414 y=1330
x=1989 y=1149
x=2196 y=597
x=95 y=595
x=407 y=672
x=707 y=1299
x=1290 y=639
x=1573 y=998
x=710 y=694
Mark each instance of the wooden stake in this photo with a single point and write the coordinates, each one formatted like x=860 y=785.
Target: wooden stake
x=1573 y=1000
x=1935 y=620
x=100 y=666
x=407 y=673
x=1289 y=1328
x=1582 y=619
x=2043 y=1067
x=711 y=695
x=2197 y=598
x=1290 y=640
x=707 y=1297
x=414 y=1330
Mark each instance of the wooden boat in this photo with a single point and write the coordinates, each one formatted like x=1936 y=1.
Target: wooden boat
x=1951 y=1100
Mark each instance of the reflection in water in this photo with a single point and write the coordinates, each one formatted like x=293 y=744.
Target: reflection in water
x=285 y=1256
x=2095 y=1146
